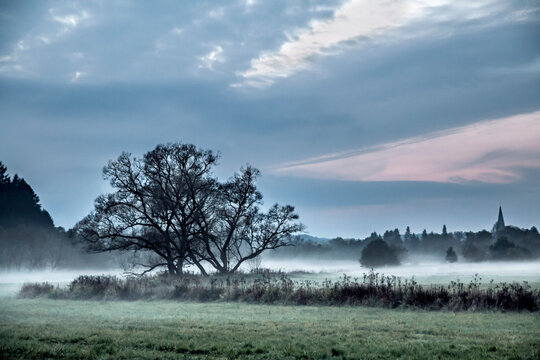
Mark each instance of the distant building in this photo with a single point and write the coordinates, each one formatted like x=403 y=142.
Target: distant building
x=499 y=225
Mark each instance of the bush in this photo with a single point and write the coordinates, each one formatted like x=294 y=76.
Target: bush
x=451 y=255
x=33 y=290
x=89 y=287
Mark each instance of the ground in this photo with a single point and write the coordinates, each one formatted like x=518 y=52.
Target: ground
x=63 y=329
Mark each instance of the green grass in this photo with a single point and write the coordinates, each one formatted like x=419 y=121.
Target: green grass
x=63 y=329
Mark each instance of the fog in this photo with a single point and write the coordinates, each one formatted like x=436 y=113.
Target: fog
x=424 y=272
x=11 y=281
x=427 y=271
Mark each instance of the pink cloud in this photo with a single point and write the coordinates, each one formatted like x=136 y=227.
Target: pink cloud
x=493 y=151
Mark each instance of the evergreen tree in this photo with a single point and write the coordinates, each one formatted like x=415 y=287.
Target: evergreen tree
x=19 y=204
x=408 y=231
x=4 y=178
x=393 y=238
x=423 y=240
x=414 y=244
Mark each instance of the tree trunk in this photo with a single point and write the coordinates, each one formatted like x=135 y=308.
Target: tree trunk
x=197 y=263
x=179 y=266
x=171 y=267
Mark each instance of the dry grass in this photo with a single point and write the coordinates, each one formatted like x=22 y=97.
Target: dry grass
x=372 y=289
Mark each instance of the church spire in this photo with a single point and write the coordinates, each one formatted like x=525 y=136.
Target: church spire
x=499 y=225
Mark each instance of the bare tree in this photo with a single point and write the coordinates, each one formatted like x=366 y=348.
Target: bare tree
x=154 y=207
x=237 y=230
x=168 y=208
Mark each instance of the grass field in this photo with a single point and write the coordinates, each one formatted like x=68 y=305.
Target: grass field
x=64 y=329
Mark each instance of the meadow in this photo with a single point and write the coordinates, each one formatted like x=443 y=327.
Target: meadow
x=67 y=329
x=44 y=328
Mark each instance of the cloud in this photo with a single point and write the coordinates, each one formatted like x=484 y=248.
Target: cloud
x=6 y=58
x=44 y=39
x=21 y=45
x=368 y=19
x=248 y=5
x=70 y=20
x=75 y=56
x=322 y=8
x=77 y=75
x=177 y=31
x=10 y=62
x=24 y=51
x=207 y=61
x=354 y=19
x=490 y=151
x=216 y=13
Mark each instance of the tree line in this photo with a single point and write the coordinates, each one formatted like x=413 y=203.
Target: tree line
x=393 y=247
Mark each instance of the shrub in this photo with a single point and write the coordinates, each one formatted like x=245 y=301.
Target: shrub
x=373 y=289
x=33 y=290
x=451 y=255
x=89 y=287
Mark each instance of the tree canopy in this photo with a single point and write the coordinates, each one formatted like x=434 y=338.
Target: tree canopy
x=377 y=253
x=169 y=206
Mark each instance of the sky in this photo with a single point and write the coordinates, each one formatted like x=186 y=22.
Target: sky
x=365 y=115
